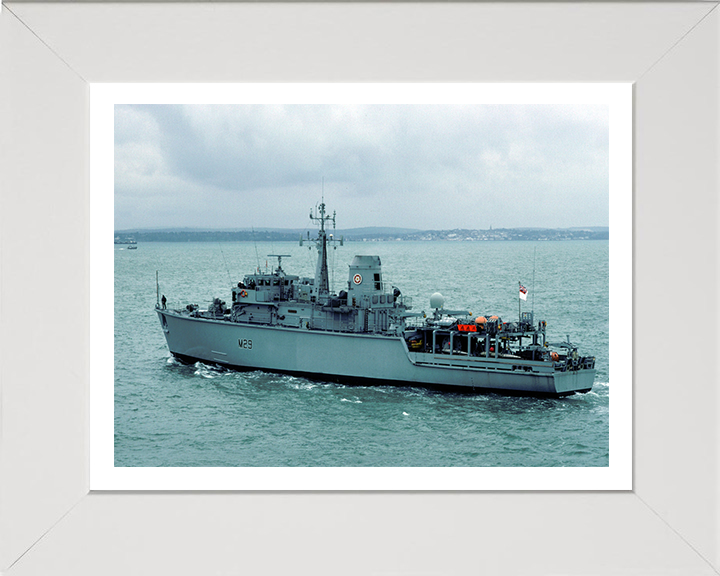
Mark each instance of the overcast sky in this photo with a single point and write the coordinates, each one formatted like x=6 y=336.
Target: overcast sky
x=411 y=166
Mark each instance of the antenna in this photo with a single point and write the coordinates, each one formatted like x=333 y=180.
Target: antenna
x=279 y=257
x=226 y=266
x=319 y=216
x=533 y=284
x=332 y=267
x=256 y=250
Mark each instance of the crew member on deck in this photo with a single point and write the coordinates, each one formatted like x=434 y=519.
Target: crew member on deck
x=164 y=302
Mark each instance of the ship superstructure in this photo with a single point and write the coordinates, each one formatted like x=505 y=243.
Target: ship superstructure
x=368 y=334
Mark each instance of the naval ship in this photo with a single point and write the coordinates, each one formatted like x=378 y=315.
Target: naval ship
x=367 y=334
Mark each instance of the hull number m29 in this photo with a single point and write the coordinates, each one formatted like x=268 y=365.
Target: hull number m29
x=245 y=343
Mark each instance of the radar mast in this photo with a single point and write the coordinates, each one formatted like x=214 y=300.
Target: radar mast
x=321 y=271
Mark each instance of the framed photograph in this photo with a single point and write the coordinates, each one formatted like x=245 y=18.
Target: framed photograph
x=61 y=415
x=193 y=155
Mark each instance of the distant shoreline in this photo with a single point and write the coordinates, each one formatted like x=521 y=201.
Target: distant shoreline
x=499 y=234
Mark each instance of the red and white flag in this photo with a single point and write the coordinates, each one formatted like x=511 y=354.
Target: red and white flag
x=523 y=292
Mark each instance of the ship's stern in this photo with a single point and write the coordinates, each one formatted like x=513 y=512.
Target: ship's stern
x=575 y=381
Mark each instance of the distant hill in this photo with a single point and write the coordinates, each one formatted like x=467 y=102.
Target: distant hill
x=348 y=231
x=376 y=230
x=373 y=234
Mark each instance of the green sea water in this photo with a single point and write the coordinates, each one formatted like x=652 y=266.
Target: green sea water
x=171 y=414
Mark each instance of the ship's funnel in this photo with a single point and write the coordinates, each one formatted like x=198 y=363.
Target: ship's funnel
x=365 y=275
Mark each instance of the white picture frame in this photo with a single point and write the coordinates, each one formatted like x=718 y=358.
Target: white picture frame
x=50 y=52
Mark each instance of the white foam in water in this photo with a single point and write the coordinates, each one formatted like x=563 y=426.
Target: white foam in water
x=299 y=385
x=207 y=371
x=256 y=375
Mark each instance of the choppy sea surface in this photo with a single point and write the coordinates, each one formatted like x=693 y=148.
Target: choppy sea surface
x=171 y=414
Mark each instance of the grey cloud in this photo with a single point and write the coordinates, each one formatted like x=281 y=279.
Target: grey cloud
x=509 y=165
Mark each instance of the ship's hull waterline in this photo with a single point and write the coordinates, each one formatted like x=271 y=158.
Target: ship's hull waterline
x=358 y=358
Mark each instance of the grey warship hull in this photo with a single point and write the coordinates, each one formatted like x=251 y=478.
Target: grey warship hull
x=366 y=334
x=358 y=358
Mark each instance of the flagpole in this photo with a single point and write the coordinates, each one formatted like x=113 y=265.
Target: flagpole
x=533 y=284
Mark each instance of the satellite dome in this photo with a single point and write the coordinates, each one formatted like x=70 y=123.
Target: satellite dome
x=437 y=300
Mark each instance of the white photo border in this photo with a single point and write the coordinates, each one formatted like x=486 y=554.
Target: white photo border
x=105 y=476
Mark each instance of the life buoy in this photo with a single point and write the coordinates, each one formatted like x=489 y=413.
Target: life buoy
x=243 y=293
